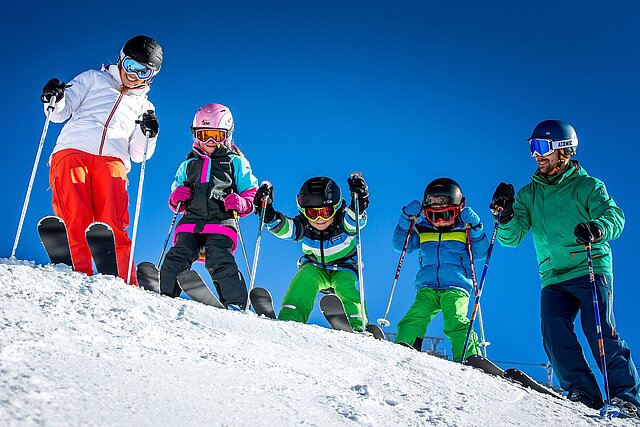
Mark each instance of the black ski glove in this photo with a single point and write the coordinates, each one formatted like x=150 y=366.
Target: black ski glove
x=358 y=186
x=149 y=123
x=265 y=190
x=588 y=232
x=503 y=197
x=53 y=88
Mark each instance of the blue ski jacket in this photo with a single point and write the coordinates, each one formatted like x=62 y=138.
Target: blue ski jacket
x=444 y=256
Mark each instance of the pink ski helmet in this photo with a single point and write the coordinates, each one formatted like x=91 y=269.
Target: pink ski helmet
x=213 y=117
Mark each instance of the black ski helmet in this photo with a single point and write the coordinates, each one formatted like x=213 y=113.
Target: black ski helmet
x=145 y=50
x=443 y=192
x=318 y=192
x=557 y=130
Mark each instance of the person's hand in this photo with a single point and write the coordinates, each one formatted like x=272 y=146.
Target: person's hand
x=149 y=123
x=358 y=187
x=235 y=202
x=53 y=88
x=588 y=232
x=265 y=192
x=413 y=209
x=182 y=194
x=470 y=218
x=502 y=200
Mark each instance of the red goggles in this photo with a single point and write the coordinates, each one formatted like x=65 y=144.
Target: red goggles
x=314 y=214
x=442 y=216
x=217 y=135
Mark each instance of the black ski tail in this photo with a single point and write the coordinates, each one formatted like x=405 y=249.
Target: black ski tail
x=262 y=302
x=333 y=310
x=525 y=380
x=477 y=361
x=103 y=248
x=376 y=331
x=53 y=235
x=148 y=276
x=193 y=285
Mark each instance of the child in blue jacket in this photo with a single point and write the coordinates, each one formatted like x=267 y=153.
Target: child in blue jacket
x=443 y=229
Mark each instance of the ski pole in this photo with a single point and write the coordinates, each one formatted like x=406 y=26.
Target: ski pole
x=476 y=304
x=483 y=343
x=138 y=203
x=256 y=252
x=356 y=207
x=166 y=240
x=50 y=108
x=383 y=322
x=607 y=409
x=244 y=250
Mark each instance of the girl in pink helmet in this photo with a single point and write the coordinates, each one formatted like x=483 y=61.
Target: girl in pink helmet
x=214 y=182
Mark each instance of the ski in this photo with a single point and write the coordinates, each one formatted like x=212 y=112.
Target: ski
x=148 y=277
x=515 y=375
x=526 y=381
x=193 y=285
x=376 y=331
x=333 y=310
x=479 y=362
x=262 y=302
x=53 y=235
x=103 y=248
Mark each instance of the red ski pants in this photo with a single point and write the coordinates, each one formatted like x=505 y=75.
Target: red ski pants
x=88 y=188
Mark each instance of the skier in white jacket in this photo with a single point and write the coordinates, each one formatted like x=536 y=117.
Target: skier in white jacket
x=109 y=117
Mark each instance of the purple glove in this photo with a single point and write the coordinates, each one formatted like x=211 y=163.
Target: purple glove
x=241 y=203
x=182 y=194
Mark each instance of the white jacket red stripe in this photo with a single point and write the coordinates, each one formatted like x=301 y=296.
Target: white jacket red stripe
x=103 y=117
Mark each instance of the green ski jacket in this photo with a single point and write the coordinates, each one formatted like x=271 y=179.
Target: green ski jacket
x=551 y=207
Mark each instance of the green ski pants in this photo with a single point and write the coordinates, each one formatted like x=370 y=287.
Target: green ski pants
x=300 y=298
x=428 y=303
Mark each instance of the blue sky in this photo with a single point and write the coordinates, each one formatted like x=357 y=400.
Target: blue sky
x=403 y=91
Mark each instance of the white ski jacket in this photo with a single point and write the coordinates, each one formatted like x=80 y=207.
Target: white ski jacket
x=103 y=117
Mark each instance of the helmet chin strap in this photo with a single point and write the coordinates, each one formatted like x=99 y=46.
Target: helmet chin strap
x=563 y=161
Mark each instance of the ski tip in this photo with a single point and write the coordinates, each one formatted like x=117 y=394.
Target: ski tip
x=97 y=225
x=50 y=218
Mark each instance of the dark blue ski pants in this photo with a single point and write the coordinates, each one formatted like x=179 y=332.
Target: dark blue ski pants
x=559 y=307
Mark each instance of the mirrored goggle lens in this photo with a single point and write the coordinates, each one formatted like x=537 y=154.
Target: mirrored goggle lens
x=204 y=135
x=325 y=212
x=141 y=71
x=540 y=147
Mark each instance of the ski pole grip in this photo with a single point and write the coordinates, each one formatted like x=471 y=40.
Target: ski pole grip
x=356 y=174
x=51 y=105
x=265 y=199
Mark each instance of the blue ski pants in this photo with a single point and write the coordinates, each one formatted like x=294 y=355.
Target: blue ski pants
x=559 y=307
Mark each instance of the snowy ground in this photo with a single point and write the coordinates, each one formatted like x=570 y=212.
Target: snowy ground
x=82 y=351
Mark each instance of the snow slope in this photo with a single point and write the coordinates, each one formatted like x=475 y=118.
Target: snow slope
x=82 y=351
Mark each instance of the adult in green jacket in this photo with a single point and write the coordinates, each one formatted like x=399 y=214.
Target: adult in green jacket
x=566 y=209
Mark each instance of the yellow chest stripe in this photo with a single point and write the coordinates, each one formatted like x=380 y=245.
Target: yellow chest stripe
x=459 y=236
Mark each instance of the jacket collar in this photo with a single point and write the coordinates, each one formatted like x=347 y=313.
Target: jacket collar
x=573 y=169
x=219 y=152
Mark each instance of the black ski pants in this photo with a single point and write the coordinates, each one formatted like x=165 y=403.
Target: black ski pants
x=559 y=307
x=219 y=262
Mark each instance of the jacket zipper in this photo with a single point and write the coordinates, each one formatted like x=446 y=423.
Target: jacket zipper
x=106 y=124
x=322 y=251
